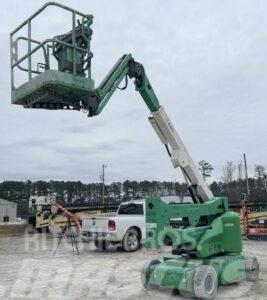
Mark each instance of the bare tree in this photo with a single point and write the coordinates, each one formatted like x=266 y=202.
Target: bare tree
x=240 y=169
x=259 y=171
x=205 y=168
x=228 y=172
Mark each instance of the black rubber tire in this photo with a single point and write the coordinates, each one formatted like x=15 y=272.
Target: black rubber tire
x=252 y=268
x=205 y=282
x=101 y=244
x=131 y=240
x=145 y=274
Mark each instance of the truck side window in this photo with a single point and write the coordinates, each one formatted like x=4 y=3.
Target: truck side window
x=131 y=209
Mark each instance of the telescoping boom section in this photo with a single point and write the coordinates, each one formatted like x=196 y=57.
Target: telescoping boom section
x=205 y=236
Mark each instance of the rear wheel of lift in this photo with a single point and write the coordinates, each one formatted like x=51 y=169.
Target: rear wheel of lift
x=101 y=244
x=145 y=273
x=131 y=240
x=205 y=282
x=252 y=268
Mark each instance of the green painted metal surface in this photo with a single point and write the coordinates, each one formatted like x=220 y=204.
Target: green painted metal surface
x=207 y=228
x=113 y=79
x=224 y=236
x=70 y=86
x=229 y=268
x=52 y=87
x=201 y=234
x=178 y=272
x=173 y=274
x=148 y=94
x=65 y=87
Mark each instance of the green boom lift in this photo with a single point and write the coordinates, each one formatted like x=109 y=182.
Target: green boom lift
x=205 y=235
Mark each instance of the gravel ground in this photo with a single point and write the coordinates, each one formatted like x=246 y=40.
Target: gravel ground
x=28 y=270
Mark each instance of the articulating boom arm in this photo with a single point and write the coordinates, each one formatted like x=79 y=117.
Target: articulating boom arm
x=128 y=67
x=125 y=67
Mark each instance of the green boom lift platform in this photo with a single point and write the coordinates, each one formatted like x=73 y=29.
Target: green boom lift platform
x=205 y=235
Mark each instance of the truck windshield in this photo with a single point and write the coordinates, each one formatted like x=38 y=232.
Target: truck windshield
x=131 y=209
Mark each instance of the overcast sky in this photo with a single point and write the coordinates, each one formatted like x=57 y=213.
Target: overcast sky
x=207 y=61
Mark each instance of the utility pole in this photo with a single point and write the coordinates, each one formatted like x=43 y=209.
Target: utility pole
x=265 y=181
x=246 y=174
x=103 y=183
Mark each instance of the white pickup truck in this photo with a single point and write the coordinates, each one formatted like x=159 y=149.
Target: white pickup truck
x=127 y=227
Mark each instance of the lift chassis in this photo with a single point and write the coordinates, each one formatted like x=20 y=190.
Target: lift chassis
x=205 y=235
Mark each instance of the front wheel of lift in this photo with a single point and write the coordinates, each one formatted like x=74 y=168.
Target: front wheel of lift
x=145 y=273
x=252 y=268
x=205 y=282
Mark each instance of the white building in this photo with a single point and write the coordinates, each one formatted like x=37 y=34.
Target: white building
x=8 y=211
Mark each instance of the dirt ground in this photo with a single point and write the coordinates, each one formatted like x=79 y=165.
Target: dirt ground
x=28 y=270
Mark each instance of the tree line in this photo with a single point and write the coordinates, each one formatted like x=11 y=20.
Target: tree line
x=77 y=192
x=71 y=192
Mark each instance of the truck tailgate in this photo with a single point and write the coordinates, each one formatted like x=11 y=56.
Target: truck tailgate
x=95 y=224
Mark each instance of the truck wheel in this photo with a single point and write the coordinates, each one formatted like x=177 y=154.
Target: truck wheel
x=131 y=240
x=205 y=282
x=145 y=272
x=101 y=245
x=252 y=268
